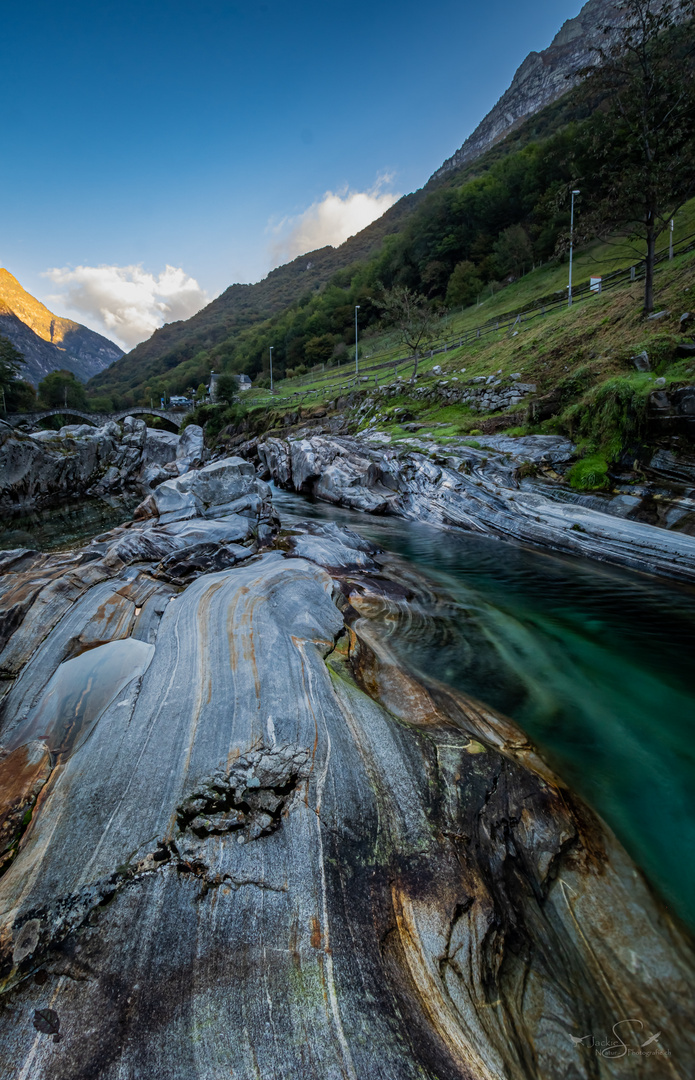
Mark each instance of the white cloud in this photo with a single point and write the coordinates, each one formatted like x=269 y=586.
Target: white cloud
x=330 y=220
x=126 y=303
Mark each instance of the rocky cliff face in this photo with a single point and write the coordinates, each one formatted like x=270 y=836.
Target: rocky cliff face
x=48 y=342
x=542 y=78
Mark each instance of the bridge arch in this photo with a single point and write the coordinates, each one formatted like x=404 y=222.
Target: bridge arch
x=88 y=418
x=172 y=418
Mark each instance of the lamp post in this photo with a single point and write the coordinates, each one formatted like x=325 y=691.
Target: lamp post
x=271 y=368
x=569 y=298
x=357 y=367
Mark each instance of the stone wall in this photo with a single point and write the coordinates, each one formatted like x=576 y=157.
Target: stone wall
x=481 y=394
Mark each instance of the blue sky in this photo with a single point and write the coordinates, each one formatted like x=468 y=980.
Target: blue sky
x=196 y=135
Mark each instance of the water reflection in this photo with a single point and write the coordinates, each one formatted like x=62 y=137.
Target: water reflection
x=64 y=526
x=595 y=663
x=79 y=692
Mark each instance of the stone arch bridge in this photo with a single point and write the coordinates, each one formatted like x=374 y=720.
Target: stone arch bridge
x=95 y=419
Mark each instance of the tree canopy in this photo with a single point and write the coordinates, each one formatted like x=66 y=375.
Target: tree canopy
x=61 y=388
x=641 y=137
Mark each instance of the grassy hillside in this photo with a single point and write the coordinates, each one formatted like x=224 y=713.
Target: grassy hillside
x=181 y=354
x=579 y=358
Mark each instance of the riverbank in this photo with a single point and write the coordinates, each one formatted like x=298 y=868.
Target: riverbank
x=262 y=823
x=499 y=485
x=42 y=468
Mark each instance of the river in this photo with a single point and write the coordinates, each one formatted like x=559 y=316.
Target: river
x=595 y=663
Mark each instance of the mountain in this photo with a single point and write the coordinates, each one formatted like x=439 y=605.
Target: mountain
x=526 y=112
x=240 y=306
x=541 y=79
x=47 y=341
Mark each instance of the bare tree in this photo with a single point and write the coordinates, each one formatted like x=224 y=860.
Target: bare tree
x=412 y=315
x=642 y=131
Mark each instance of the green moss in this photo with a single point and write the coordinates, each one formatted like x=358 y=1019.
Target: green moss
x=611 y=415
x=589 y=474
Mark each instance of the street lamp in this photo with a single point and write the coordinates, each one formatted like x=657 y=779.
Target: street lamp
x=357 y=368
x=271 y=368
x=569 y=299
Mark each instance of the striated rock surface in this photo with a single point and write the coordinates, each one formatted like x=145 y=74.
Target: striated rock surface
x=244 y=842
x=480 y=488
x=48 y=465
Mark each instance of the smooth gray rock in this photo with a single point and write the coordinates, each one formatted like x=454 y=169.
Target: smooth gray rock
x=79 y=459
x=160 y=447
x=33 y=470
x=191 y=449
x=223 y=487
x=265 y=850
x=332 y=546
x=486 y=498
x=641 y=361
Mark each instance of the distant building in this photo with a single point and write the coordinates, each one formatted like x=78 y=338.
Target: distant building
x=243 y=382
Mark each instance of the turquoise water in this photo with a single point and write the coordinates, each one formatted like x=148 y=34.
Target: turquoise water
x=596 y=664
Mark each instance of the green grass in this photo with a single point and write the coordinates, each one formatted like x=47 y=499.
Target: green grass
x=580 y=357
x=597 y=258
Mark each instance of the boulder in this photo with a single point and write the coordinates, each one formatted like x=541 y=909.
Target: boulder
x=160 y=447
x=641 y=361
x=191 y=449
x=153 y=475
x=332 y=546
x=229 y=486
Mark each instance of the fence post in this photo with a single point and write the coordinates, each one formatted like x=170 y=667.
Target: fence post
x=632 y=273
